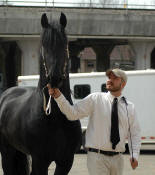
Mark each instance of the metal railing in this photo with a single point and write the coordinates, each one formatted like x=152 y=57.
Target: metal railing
x=76 y=4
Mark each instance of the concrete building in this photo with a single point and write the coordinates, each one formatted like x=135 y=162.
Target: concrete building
x=103 y=30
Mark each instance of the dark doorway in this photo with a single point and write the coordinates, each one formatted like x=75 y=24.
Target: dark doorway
x=10 y=68
x=153 y=59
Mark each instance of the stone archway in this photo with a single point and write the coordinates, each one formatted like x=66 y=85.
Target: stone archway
x=101 y=47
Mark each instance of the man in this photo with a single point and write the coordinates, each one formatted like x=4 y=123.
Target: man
x=112 y=119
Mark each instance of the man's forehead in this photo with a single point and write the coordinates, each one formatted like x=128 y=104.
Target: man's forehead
x=112 y=74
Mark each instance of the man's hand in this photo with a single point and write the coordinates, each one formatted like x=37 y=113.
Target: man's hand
x=54 y=92
x=134 y=163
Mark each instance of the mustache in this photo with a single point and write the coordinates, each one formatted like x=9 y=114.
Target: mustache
x=109 y=83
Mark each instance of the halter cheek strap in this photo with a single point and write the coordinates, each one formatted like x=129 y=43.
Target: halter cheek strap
x=44 y=63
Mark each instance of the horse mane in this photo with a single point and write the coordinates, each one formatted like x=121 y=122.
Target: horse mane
x=52 y=36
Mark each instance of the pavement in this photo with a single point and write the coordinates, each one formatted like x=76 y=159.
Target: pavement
x=146 y=165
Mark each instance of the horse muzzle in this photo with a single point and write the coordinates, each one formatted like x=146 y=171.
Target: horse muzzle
x=55 y=82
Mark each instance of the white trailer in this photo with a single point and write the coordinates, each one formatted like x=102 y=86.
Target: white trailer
x=139 y=89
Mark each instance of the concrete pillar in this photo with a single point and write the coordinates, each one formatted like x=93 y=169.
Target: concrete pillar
x=74 y=51
x=103 y=56
x=142 y=51
x=2 y=70
x=30 y=56
x=153 y=59
x=82 y=65
x=11 y=63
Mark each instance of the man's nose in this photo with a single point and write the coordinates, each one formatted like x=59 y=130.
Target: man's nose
x=109 y=80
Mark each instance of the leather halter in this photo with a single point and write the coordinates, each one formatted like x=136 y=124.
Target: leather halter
x=45 y=66
x=44 y=62
x=47 y=107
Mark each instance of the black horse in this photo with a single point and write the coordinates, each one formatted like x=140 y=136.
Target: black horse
x=25 y=129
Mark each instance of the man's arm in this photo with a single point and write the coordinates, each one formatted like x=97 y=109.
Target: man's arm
x=72 y=112
x=134 y=138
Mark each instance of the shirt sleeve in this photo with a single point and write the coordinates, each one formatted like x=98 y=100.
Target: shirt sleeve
x=77 y=111
x=134 y=135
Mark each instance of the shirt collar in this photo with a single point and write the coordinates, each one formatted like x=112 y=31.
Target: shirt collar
x=111 y=97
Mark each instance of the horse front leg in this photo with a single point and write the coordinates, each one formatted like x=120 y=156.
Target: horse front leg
x=39 y=166
x=14 y=162
x=63 y=166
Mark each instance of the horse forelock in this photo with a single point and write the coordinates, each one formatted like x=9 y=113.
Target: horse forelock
x=54 y=37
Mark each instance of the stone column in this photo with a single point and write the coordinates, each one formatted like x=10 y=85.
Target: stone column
x=142 y=51
x=152 y=64
x=30 y=56
x=11 y=63
x=103 y=56
x=74 y=51
x=2 y=69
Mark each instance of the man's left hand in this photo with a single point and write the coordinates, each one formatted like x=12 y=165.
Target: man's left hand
x=134 y=163
x=54 y=92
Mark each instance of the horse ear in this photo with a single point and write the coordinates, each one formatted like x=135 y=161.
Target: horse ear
x=63 y=20
x=44 y=21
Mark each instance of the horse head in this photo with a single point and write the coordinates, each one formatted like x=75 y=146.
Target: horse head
x=54 y=50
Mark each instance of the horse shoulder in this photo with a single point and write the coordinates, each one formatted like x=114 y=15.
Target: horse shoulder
x=14 y=98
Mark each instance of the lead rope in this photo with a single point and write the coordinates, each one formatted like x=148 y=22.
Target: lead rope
x=47 y=108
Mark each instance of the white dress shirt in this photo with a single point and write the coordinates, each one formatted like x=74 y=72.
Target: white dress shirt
x=97 y=106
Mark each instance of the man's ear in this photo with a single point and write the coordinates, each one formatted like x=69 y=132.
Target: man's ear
x=123 y=84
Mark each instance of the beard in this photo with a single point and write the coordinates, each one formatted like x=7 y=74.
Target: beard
x=113 y=88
